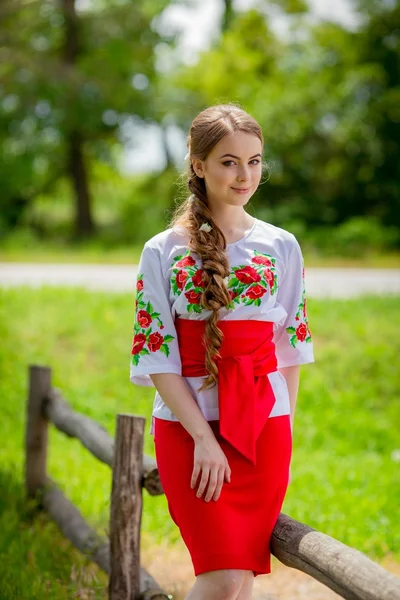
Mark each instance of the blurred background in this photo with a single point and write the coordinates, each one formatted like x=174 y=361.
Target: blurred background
x=97 y=96
x=96 y=99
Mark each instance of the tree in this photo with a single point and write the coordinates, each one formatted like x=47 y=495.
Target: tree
x=70 y=80
x=327 y=99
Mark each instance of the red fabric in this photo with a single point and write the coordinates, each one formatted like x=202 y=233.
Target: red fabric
x=233 y=532
x=245 y=395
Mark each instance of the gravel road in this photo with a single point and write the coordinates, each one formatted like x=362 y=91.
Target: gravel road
x=320 y=282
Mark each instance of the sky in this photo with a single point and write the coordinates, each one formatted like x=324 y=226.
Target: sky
x=198 y=25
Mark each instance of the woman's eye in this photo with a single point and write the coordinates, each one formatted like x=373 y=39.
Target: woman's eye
x=227 y=163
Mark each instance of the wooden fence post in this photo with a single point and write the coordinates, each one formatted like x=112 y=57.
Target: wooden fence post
x=36 y=433
x=126 y=509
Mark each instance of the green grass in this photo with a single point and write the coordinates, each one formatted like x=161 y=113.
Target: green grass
x=22 y=246
x=345 y=464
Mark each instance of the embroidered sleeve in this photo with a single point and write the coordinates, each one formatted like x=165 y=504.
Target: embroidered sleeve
x=154 y=346
x=293 y=337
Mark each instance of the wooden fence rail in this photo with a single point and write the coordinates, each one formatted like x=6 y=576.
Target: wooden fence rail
x=44 y=403
x=345 y=570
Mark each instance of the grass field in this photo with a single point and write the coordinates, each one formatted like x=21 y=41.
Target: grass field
x=21 y=249
x=346 y=445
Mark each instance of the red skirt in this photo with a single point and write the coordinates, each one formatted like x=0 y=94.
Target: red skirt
x=233 y=532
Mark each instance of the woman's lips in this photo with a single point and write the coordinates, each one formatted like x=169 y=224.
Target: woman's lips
x=241 y=190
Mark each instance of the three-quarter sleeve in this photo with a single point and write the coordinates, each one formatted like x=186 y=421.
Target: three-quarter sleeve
x=155 y=344
x=293 y=337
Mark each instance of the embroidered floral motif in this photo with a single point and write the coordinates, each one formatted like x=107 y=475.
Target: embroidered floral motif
x=187 y=277
x=247 y=284
x=145 y=340
x=301 y=332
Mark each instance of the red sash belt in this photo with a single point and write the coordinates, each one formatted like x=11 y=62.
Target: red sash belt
x=245 y=395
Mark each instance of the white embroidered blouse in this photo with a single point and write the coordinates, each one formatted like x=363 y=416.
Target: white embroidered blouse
x=266 y=283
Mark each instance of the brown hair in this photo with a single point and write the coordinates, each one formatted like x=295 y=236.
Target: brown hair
x=206 y=130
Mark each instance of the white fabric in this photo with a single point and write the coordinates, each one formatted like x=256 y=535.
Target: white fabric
x=276 y=293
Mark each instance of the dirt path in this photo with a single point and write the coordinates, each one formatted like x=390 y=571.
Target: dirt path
x=321 y=282
x=172 y=567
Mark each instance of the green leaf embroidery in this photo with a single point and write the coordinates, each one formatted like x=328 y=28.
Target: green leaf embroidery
x=293 y=341
x=140 y=303
x=164 y=349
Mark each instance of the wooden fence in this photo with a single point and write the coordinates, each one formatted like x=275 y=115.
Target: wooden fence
x=348 y=572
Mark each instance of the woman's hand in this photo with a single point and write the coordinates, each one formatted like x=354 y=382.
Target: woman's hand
x=211 y=462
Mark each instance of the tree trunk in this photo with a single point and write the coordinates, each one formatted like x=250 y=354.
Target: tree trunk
x=227 y=16
x=165 y=145
x=84 y=225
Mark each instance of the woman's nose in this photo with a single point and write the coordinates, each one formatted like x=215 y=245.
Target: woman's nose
x=243 y=174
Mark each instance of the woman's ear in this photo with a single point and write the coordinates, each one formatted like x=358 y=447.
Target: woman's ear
x=198 y=168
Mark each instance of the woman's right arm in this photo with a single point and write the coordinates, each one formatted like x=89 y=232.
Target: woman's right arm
x=209 y=458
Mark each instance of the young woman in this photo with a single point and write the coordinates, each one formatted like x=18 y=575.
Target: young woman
x=220 y=331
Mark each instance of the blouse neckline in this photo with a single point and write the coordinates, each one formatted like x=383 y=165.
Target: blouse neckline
x=246 y=235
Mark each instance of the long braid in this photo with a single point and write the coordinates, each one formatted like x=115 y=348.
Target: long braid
x=206 y=130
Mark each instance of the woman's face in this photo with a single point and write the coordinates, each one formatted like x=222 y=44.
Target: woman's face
x=232 y=170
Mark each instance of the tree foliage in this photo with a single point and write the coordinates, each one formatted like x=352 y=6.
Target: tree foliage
x=327 y=98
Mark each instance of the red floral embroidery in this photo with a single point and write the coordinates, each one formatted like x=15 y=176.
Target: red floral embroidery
x=145 y=340
x=181 y=278
x=188 y=281
x=270 y=277
x=247 y=275
x=193 y=297
x=144 y=318
x=198 y=278
x=155 y=341
x=300 y=333
x=261 y=260
x=247 y=284
x=187 y=261
x=139 y=341
x=250 y=283
x=255 y=292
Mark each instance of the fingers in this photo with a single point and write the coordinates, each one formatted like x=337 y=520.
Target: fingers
x=195 y=474
x=214 y=477
x=218 y=488
x=213 y=483
x=203 y=481
x=227 y=473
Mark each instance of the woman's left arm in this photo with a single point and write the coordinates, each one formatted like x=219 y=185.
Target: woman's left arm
x=292 y=376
